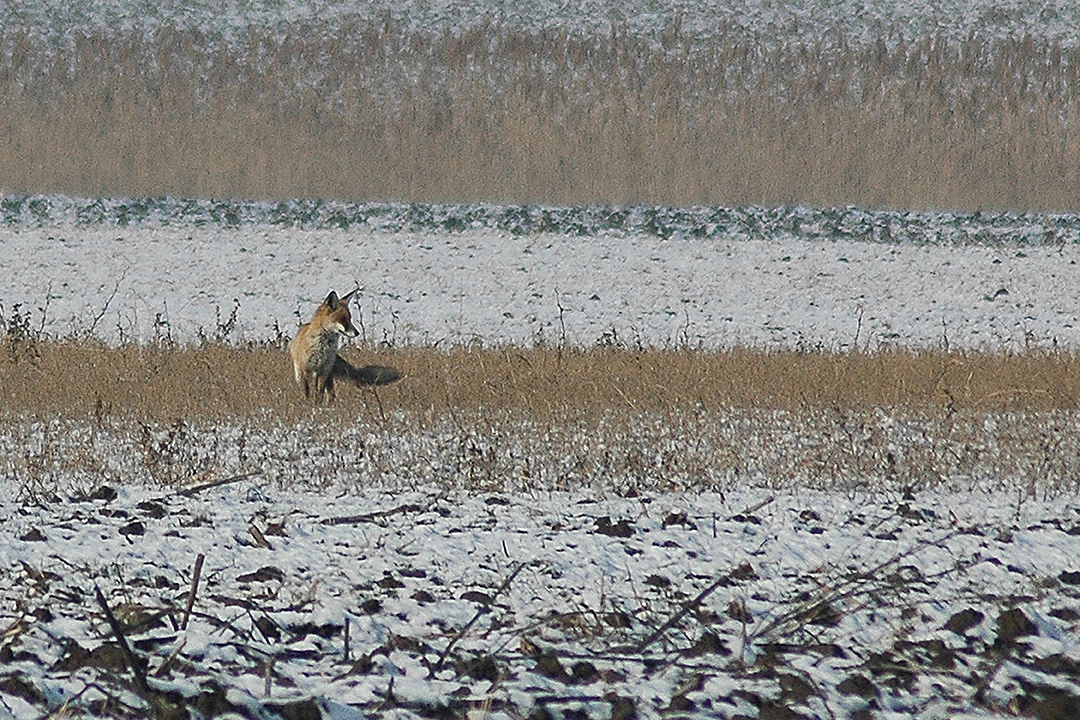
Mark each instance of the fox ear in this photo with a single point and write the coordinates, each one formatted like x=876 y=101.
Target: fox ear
x=347 y=297
x=331 y=300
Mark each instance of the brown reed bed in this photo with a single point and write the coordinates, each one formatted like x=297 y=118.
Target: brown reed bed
x=217 y=382
x=521 y=419
x=494 y=113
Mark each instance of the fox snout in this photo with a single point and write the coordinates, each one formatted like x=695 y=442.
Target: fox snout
x=346 y=327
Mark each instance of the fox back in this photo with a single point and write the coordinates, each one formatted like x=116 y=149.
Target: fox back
x=314 y=351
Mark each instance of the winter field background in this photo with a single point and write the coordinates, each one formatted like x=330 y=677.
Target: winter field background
x=503 y=534
x=960 y=105
x=663 y=556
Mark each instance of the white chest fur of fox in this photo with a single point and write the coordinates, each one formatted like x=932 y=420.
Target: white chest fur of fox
x=314 y=352
x=319 y=350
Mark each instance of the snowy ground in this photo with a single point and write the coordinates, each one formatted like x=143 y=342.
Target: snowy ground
x=804 y=20
x=784 y=289
x=424 y=603
x=408 y=600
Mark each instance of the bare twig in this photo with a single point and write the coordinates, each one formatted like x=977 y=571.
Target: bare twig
x=755 y=507
x=368 y=517
x=138 y=667
x=378 y=401
x=268 y=677
x=260 y=539
x=858 y=328
x=44 y=312
x=171 y=660
x=479 y=613
x=112 y=296
x=194 y=589
x=188 y=492
x=861 y=583
x=687 y=607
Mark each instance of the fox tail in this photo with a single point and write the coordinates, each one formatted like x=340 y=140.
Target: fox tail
x=367 y=375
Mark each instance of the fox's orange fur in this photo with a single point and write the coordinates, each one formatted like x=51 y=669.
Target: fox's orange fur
x=314 y=351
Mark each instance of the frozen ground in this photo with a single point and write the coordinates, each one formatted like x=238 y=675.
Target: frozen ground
x=804 y=20
x=401 y=598
x=708 y=278
x=424 y=603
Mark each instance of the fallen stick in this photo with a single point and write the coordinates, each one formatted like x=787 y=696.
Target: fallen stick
x=188 y=492
x=268 y=677
x=864 y=582
x=260 y=539
x=194 y=589
x=171 y=660
x=368 y=517
x=138 y=668
x=755 y=507
x=482 y=611
x=687 y=607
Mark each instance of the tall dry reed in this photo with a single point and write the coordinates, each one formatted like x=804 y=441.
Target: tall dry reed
x=492 y=113
x=510 y=418
x=217 y=382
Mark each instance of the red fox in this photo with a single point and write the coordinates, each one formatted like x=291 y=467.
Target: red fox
x=315 y=357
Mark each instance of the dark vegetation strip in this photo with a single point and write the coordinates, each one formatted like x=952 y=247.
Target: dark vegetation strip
x=814 y=224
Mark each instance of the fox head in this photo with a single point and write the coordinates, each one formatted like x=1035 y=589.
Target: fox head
x=334 y=313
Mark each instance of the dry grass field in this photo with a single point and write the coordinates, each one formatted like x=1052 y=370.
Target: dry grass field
x=513 y=417
x=216 y=382
x=380 y=111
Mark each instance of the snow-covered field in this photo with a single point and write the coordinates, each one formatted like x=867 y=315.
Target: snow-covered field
x=712 y=279
x=803 y=20
x=415 y=598
x=407 y=599
x=377 y=603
